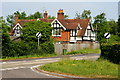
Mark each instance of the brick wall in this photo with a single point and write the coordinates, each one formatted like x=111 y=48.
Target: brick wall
x=73 y=47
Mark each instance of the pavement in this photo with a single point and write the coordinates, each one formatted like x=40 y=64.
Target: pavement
x=26 y=69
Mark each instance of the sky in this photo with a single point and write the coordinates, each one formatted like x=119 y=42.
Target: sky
x=70 y=8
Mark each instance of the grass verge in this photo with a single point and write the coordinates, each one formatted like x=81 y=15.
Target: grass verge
x=84 y=51
x=29 y=57
x=84 y=68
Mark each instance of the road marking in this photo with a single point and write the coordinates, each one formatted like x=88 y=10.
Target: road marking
x=12 y=68
x=32 y=68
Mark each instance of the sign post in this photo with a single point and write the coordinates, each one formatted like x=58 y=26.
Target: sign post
x=107 y=36
x=38 y=35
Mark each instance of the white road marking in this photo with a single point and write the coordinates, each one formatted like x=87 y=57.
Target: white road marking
x=32 y=68
x=12 y=68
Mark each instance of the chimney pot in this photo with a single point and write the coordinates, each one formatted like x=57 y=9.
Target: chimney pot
x=45 y=15
x=15 y=19
x=60 y=14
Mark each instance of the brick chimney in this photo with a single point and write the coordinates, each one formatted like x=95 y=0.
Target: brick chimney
x=45 y=15
x=60 y=14
x=15 y=19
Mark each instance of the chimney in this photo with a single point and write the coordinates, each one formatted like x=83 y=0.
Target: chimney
x=60 y=14
x=15 y=19
x=45 y=15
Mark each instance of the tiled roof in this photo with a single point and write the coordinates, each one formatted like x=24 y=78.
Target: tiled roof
x=67 y=23
x=23 y=21
x=73 y=24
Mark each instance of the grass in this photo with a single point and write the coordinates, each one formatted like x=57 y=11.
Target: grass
x=29 y=56
x=84 y=68
x=85 y=51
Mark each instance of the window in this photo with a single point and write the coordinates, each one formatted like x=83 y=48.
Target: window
x=17 y=30
x=73 y=33
x=89 y=32
x=56 y=32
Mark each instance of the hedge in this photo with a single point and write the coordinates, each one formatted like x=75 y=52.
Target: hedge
x=111 y=51
x=16 y=49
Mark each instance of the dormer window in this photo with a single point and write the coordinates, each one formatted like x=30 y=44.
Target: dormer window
x=17 y=30
x=56 y=32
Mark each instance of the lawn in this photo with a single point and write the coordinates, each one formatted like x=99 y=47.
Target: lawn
x=84 y=68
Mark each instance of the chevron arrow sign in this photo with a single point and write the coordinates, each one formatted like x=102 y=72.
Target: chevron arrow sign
x=107 y=35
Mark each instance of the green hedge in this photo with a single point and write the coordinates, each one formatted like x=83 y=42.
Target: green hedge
x=111 y=51
x=16 y=49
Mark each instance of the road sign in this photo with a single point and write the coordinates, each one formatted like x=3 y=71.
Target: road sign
x=107 y=35
x=38 y=34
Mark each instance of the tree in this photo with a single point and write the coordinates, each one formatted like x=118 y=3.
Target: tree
x=77 y=16
x=66 y=16
x=118 y=28
x=100 y=23
x=86 y=14
x=4 y=28
x=51 y=17
x=37 y=15
x=112 y=27
x=31 y=28
x=10 y=20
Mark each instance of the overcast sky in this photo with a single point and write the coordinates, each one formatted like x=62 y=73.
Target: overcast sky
x=70 y=8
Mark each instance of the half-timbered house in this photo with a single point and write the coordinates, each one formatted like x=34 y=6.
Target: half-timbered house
x=64 y=30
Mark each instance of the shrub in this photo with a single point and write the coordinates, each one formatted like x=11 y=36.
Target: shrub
x=111 y=52
x=47 y=47
x=16 y=49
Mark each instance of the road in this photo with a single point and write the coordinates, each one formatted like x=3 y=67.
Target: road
x=24 y=68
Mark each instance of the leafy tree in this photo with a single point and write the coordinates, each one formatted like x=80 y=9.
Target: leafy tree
x=118 y=28
x=86 y=14
x=100 y=23
x=4 y=28
x=51 y=17
x=37 y=15
x=112 y=27
x=31 y=16
x=66 y=16
x=10 y=20
x=77 y=16
x=31 y=28
x=22 y=15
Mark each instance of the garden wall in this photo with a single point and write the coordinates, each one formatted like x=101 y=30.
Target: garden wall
x=68 y=47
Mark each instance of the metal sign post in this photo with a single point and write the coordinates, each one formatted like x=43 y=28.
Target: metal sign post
x=107 y=36
x=38 y=34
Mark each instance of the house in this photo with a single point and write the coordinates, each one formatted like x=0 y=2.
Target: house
x=64 y=30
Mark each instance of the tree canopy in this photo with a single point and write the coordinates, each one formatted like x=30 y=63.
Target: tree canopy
x=31 y=28
x=86 y=14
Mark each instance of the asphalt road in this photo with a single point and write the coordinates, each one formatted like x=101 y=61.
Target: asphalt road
x=24 y=68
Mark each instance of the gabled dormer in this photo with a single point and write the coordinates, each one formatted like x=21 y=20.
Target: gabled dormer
x=57 y=28
x=17 y=29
